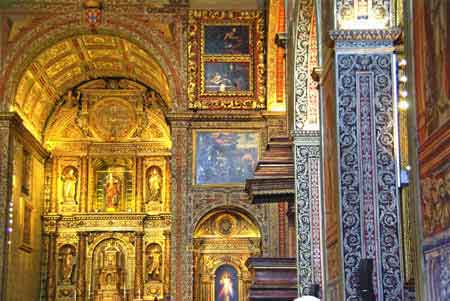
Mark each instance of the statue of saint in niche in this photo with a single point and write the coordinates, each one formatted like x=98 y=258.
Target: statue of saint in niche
x=67 y=263
x=154 y=263
x=112 y=189
x=70 y=180
x=154 y=185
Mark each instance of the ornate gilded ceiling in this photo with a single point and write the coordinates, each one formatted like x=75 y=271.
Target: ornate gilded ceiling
x=75 y=60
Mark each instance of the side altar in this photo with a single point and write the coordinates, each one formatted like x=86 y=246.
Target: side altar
x=108 y=222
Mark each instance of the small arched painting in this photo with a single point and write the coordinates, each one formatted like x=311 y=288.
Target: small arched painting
x=226 y=284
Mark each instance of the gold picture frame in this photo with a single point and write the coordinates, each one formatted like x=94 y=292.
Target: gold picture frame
x=226 y=68
x=26 y=224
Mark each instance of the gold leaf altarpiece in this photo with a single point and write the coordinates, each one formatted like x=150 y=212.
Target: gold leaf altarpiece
x=110 y=208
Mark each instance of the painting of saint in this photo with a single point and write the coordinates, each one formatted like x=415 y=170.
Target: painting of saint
x=223 y=77
x=226 y=286
x=69 y=179
x=112 y=190
x=437 y=63
x=227 y=39
x=225 y=157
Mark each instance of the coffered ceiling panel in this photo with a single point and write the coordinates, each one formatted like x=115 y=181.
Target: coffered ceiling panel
x=73 y=61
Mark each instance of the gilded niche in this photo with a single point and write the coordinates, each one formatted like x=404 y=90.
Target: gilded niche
x=153 y=255
x=67 y=258
x=114 y=185
x=69 y=179
x=154 y=184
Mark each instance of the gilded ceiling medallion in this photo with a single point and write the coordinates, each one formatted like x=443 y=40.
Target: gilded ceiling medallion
x=113 y=119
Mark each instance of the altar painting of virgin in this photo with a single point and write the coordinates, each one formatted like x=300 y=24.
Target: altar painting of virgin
x=226 y=284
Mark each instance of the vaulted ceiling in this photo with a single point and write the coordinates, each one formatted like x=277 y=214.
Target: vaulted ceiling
x=79 y=59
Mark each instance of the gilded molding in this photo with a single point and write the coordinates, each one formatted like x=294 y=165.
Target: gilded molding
x=255 y=98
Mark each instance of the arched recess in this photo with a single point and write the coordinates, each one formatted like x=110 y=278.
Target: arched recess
x=156 y=41
x=50 y=77
x=224 y=237
x=110 y=254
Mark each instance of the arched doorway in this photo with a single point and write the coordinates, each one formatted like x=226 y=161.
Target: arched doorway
x=223 y=240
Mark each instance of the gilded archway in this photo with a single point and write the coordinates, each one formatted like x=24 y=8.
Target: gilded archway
x=223 y=240
x=158 y=34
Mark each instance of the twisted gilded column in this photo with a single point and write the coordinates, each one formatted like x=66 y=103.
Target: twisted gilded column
x=139 y=272
x=81 y=277
x=51 y=267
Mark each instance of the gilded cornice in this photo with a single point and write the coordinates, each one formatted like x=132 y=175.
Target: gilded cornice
x=228 y=116
x=121 y=148
x=135 y=6
x=20 y=131
x=102 y=221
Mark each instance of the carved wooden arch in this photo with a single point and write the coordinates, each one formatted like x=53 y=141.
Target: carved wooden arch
x=58 y=27
x=205 y=214
x=207 y=262
x=127 y=247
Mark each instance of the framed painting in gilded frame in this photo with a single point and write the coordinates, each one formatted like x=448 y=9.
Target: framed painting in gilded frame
x=226 y=287
x=227 y=78
x=231 y=39
x=224 y=157
x=226 y=60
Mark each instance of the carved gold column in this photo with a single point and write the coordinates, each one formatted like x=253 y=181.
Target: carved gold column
x=91 y=185
x=81 y=277
x=51 y=267
x=138 y=276
x=139 y=185
x=84 y=185
x=167 y=263
x=53 y=202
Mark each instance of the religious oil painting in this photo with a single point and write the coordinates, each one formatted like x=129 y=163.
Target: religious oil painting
x=226 y=284
x=226 y=77
x=226 y=60
x=114 y=190
x=436 y=201
x=436 y=35
x=226 y=39
x=26 y=223
x=225 y=158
